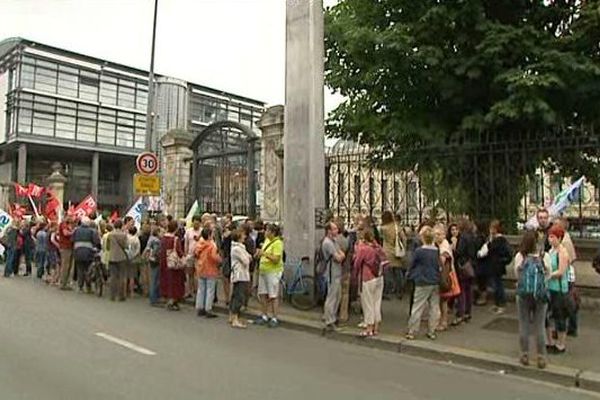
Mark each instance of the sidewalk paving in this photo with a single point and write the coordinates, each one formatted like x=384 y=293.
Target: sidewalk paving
x=489 y=341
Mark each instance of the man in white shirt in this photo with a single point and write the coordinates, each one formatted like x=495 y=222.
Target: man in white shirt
x=192 y=236
x=567 y=242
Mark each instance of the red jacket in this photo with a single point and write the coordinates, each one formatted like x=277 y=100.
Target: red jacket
x=65 y=232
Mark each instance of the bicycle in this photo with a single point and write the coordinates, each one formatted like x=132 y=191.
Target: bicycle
x=304 y=292
x=97 y=275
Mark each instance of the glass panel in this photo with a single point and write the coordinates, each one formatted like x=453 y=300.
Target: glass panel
x=141 y=99
x=45 y=80
x=27 y=72
x=124 y=136
x=65 y=127
x=67 y=81
x=25 y=121
x=108 y=93
x=43 y=124
x=86 y=129
x=106 y=133
x=126 y=97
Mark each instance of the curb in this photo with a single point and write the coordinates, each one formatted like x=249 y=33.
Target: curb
x=564 y=376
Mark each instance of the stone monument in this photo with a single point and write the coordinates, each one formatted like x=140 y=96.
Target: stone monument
x=271 y=126
x=56 y=182
x=304 y=148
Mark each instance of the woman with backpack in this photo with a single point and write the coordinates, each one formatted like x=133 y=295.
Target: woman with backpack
x=369 y=263
x=558 y=287
x=532 y=270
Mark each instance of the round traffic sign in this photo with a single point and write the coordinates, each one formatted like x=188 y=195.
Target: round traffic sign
x=147 y=163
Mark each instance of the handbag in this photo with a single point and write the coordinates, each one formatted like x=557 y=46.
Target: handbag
x=466 y=271
x=173 y=259
x=399 y=250
x=445 y=268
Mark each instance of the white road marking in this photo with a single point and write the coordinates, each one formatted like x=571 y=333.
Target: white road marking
x=125 y=343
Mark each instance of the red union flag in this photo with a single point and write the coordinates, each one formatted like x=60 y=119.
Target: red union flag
x=35 y=191
x=21 y=191
x=86 y=207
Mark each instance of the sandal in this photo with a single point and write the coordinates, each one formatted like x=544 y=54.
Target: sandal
x=441 y=328
x=524 y=360
x=365 y=334
x=410 y=336
x=431 y=336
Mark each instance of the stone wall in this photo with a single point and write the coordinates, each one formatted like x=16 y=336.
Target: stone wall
x=175 y=168
x=271 y=125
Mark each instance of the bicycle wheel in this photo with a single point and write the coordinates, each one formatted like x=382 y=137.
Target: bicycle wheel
x=302 y=293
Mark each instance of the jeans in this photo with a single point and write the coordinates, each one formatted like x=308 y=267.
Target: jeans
x=153 y=290
x=206 y=293
x=28 y=253
x=82 y=268
x=393 y=281
x=41 y=263
x=332 y=303
x=465 y=299
x=499 y=294
x=9 y=268
x=425 y=296
x=532 y=316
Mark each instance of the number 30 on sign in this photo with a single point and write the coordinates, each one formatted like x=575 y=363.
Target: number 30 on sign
x=147 y=163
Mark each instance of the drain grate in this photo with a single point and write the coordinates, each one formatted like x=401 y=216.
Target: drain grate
x=503 y=324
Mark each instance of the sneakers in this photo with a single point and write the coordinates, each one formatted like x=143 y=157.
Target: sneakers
x=201 y=313
x=238 y=324
x=273 y=323
x=262 y=320
x=499 y=310
x=211 y=315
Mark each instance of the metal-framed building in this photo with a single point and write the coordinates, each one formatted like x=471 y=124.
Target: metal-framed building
x=89 y=115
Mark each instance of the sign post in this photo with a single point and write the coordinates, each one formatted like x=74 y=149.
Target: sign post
x=146 y=182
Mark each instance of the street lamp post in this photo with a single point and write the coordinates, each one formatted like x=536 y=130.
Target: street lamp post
x=150 y=107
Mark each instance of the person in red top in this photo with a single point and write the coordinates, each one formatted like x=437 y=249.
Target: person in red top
x=172 y=281
x=65 y=231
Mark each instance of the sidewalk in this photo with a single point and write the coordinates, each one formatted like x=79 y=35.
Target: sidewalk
x=488 y=341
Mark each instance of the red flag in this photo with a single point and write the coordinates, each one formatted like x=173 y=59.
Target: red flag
x=18 y=211
x=85 y=208
x=52 y=207
x=36 y=191
x=21 y=191
x=114 y=216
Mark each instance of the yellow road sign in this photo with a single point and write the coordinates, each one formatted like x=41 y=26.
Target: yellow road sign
x=146 y=185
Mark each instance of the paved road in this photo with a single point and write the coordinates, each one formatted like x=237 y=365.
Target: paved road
x=49 y=349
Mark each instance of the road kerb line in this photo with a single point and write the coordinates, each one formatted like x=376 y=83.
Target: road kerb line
x=125 y=343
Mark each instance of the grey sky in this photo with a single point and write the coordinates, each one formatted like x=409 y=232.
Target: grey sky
x=232 y=45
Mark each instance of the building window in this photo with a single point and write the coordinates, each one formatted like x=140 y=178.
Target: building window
x=45 y=76
x=25 y=118
x=67 y=81
x=126 y=96
x=27 y=74
x=108 y=90
x=65 y=126
x=43 y=123
x=89 y=85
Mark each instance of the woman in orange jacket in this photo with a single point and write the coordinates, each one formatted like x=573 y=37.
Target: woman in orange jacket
x=207 y=272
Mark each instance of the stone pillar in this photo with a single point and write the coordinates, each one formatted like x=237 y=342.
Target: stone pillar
x=22 y=164
x=176 y=170
x=271 y=126
x=95 y=174
x=304 y=148
x=56 y=183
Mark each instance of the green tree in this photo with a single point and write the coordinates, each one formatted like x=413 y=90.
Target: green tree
x=469 y=88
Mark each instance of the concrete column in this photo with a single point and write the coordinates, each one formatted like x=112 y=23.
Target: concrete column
x=22 y=164
x=251 y=179
x=176 y=170
x=304 y=157
x=95 y=174
x=271 y=126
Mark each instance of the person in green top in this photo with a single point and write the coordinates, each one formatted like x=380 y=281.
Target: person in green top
x=270 y=271
x=558 y=287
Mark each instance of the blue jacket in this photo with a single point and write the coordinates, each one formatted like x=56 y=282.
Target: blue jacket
x=425 y=267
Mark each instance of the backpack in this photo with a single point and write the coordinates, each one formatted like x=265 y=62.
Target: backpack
x=532 y=280
x=320 y=262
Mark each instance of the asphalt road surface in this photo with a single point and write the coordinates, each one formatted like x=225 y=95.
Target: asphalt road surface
x=66 y=345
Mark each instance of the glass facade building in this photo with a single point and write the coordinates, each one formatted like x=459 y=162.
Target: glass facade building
x=90 y=115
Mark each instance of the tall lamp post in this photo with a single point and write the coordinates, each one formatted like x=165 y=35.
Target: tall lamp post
x=150 y=107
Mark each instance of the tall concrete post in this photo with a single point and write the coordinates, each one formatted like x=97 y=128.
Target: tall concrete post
x=22 y=164
x=95 y=174
x=304 y=148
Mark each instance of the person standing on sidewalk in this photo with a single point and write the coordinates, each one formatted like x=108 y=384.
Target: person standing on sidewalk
x=394 y=240
x=42 y=243
x=207 y=272
x=28 y=245
x=117 y=261
x=172 y=281
x=191 y=238
x=9 y=240
x=558 y=286
x=334 y=257
x=269 y=273
x=573 y=318
x=65 y=232
x=424 y=271
x=369 y=267
x=532 y=301
x=466 y=255
x=240 y=276
x=85 y=244
x=151 y=253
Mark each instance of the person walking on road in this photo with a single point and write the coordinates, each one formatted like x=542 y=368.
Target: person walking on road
x=65 y=242
x=369 y=266
x=240 y=276
x=207 y=272
x=424 y=271
x=117 y=261
x=334 y=257
x=172 y=281
x=42 y=244
x=532 y=302
x=269 y=274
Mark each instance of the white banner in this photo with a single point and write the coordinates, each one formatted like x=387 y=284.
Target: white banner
x=136 y=211
x=5 y=221
x=191 y=213
x=560 y=203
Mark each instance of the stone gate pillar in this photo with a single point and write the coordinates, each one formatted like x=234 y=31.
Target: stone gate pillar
x=175 y=167
x=271 y=125
x=56 y=183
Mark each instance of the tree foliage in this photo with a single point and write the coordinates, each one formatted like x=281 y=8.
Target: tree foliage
x=420 y=74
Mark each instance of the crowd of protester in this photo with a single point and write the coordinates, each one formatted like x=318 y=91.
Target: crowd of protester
x=443 y=269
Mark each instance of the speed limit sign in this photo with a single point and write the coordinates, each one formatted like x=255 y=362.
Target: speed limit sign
x=147 y=163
